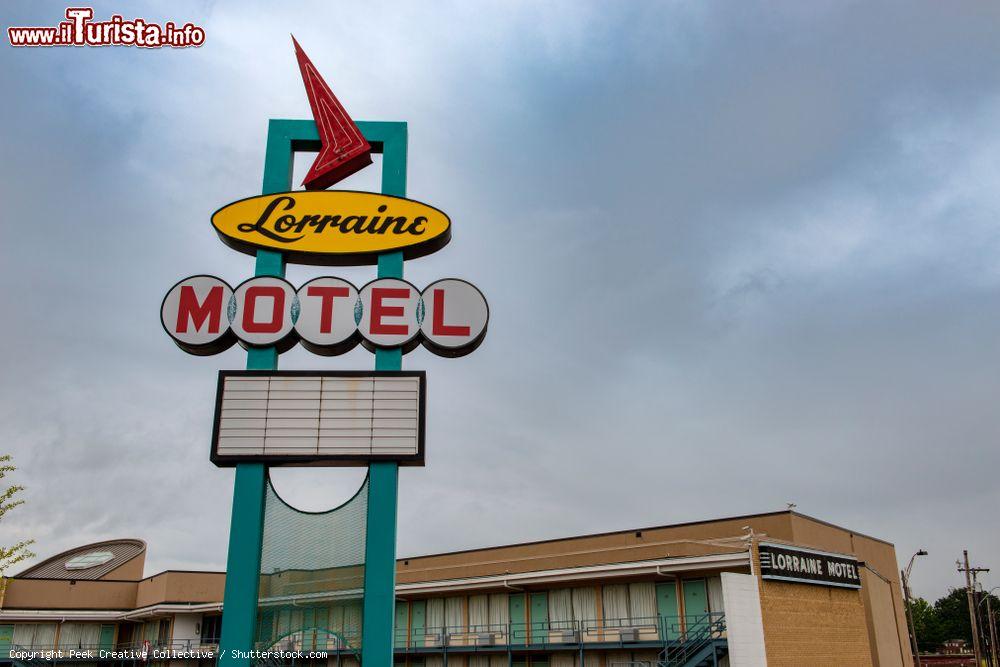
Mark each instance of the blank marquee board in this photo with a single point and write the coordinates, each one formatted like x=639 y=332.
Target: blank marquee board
x=319 y=417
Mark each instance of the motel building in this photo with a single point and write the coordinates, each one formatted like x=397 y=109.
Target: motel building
x=778 y=589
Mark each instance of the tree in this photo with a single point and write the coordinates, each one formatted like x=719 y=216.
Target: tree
x=13 y=555
x=947 y=619
x=928 y=628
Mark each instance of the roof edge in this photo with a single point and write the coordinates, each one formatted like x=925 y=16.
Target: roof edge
x=550 y=540
x=833 y=525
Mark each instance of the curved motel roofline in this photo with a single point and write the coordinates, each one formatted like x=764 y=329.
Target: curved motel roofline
x=72 y=563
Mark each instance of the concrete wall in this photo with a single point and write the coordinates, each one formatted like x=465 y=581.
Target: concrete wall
x=130 y=570
x=181 y=587
x=64 y=594
x=744 y=625
x=187 y=629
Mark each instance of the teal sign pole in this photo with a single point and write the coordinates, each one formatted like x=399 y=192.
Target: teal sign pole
x=239 y=617
x=383 y=477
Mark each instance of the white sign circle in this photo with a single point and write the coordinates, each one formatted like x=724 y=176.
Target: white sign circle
x=194 y=314
x=327 y=311
x=455 y=315
x=389 y=312
x=263 y=313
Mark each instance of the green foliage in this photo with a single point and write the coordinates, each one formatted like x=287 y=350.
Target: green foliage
x=12 y=555
x=947 y=619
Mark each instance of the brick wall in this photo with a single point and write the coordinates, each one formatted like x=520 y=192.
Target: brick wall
x=813 y=626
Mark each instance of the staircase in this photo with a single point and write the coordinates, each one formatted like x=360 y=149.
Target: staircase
x=701 y=646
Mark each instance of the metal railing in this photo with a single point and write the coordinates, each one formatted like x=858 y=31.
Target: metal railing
x=314 y=639
x=678 y=638
x=555 y=634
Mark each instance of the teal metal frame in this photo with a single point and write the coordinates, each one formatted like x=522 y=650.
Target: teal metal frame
x=284 y=138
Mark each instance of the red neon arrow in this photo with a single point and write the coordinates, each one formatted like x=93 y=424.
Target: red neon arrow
x=344 y=150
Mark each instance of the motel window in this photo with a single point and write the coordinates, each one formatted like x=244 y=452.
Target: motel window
x=715 y=602
x=211 y=629
x=499 y=612
x=642 y=603
x=125 y=633
x=479 y=612
x=435 y=616
x=34 y=635
x=352 y=618
x=163 y=633
x=560 y=608
x=568 y=606
x=454 y=613
x=615 y=598
x=488 y=612
x=79 y=635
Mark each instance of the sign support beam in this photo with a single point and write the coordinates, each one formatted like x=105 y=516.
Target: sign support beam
x=383 y=477
x=246 y=530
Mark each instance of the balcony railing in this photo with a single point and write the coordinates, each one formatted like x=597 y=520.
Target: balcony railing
x=663 y=632
x=315 y=639
x=658 y=630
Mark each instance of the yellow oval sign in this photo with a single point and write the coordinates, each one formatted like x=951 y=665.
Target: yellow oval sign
x=332 y=227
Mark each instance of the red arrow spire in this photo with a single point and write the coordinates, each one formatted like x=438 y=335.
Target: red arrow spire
x=344 y=150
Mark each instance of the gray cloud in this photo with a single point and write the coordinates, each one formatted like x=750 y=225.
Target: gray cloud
x=735 y=257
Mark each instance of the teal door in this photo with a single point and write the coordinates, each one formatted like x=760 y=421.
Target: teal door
x=107 y=638
x=518 y=628
x=308 y=629
x=266 y=633
x=539 y=618
x=418 y=622
x=666 y=606
x=401 y=623
x=695 y=605
x=6 y=637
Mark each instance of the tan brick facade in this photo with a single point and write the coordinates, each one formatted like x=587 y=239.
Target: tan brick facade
x=813 y=626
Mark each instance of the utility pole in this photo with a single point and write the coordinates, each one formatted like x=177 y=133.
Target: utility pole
x=971 y=572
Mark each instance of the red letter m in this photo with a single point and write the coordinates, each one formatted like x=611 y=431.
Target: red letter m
x=188 y=308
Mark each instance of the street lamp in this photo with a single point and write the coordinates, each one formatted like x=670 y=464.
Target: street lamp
x=909 y=607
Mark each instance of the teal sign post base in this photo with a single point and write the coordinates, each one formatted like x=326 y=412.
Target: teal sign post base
x=239 y=617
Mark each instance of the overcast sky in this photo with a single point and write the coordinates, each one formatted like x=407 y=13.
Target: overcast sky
x=736 y=255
